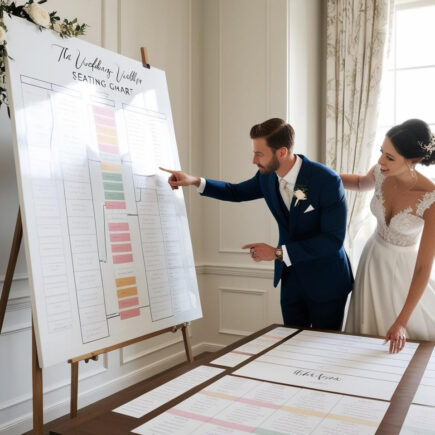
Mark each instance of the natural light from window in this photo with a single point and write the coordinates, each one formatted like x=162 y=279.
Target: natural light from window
x=408 y=89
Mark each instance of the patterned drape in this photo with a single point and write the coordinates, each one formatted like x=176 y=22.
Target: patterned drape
x=357 y=40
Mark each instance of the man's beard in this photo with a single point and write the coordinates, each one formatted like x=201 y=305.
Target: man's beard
x=272 y=166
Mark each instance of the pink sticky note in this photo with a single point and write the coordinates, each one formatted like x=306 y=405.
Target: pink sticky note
x=130 y=302
x=103 y=120
x=119 y=237
x=122 y=247
x=98 y=110
x=120 y=259
x=118 y=205
x=118 y=226
x=127 y=314
x=113 y=149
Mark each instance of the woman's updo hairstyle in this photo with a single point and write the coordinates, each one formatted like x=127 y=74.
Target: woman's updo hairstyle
x=414 y=139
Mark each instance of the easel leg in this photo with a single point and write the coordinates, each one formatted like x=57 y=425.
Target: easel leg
x=15 y=249
x=187 y=344
x=74 y=388
x=38 y=415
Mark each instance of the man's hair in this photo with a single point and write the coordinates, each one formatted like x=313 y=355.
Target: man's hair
x=277 y=133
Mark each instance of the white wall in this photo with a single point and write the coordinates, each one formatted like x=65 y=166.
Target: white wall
x=226 y=63
x=305 y=75
x=244 y=82
x=252 y=72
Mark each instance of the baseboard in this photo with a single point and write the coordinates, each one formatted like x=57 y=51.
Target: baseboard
x=60 y=408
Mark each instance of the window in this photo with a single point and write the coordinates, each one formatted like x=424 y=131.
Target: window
x=408 y=89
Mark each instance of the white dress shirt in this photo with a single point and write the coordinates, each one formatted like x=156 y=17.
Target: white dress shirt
x=286 y=188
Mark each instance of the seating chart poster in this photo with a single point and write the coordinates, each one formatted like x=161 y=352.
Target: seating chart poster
x=107 y=241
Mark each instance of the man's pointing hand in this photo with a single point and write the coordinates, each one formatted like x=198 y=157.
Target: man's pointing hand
x=180 y=178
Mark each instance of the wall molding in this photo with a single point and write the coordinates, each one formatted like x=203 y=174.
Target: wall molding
x=142 y=353
x=23 y=321
x=124 y=359
x=19 y=303
x=20 y=327
x=210 y=268
x=238 y=290
x=16 y=304
x=64 y=384
x=230 y=270
x=20 y=276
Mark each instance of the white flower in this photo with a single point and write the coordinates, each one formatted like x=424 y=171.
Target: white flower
x=300 y=196
x=2 y=34
x=57 y=27
x=38 y=15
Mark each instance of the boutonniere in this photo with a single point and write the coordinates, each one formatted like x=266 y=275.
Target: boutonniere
x=300 y=193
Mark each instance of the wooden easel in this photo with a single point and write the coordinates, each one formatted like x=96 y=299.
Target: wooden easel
x=37 y=385
x=38 y=416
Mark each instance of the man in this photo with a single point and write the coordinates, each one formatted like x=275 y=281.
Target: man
x=307 y=201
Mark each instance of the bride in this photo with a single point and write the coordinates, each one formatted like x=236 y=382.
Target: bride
x=394 y=293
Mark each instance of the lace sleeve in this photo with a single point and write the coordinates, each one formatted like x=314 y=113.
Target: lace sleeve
x=379 y=178
x=425 y=202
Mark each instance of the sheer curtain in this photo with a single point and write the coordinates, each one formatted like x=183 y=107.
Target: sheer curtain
x=358 y=35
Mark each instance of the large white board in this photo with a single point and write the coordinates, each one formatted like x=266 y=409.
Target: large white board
x=107 y=241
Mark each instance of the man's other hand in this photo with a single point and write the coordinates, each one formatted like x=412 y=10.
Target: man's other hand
x=261 y=251
x=180 y=178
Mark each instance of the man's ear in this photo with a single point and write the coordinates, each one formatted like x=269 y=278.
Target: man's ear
x=283 y=151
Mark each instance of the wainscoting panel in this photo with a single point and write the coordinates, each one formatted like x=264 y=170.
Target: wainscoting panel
x=242 y=311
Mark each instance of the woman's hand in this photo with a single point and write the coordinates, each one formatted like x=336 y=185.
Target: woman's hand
x=396 y=335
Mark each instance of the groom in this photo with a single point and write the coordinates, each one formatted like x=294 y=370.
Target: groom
x=307 y=201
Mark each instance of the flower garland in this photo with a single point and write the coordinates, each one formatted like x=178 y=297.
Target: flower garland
x=33 y=12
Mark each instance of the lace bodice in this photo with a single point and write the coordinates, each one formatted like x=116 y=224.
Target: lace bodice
x=405 y=227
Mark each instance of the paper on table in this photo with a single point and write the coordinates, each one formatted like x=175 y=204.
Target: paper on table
x=333 y=362
x=257 y=345
x=235 y=405
x=419 y=420
x=192 y=412
x=353 y=415
x=425 y=394
x=153 y=399
x=231 y=359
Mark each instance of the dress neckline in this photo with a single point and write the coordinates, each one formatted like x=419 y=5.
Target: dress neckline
x=407 y=210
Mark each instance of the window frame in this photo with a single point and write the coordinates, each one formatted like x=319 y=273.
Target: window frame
x=401 y=5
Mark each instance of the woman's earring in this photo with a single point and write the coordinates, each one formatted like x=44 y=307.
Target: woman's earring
x=412 y=169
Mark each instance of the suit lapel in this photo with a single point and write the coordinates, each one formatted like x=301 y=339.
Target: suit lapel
x=302 y=180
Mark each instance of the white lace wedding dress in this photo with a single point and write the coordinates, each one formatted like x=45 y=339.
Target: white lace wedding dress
x=385 y=271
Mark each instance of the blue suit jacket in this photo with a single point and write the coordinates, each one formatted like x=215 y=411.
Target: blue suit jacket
x=314 y=240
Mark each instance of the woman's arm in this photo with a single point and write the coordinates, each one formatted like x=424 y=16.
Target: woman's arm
x=359 y=182
x=420 y=278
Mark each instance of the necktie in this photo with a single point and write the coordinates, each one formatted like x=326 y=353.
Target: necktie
x=285 y=192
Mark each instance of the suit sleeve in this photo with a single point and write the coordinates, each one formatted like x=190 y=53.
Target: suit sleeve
x=330 y=239
x=246 y=191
